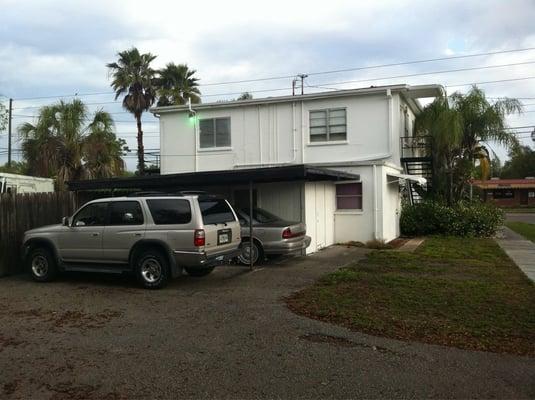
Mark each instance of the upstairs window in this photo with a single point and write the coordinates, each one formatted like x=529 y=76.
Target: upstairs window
x=349 y=196
x=328 y=125
x=215 y=132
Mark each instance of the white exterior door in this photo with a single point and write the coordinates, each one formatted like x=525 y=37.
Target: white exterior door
x=320 y=215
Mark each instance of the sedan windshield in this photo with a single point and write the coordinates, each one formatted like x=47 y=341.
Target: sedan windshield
x=261 y=216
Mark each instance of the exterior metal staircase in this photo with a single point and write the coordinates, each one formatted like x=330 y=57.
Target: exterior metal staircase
x=416 y=160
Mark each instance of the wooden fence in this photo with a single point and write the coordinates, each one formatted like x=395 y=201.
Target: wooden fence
x=21 y=212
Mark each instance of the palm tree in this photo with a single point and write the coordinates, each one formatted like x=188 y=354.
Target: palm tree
x=103 y=151
x=176 y=83
x=133 y=76
x=245 y=96
x=61 y=145
x=441 y=126
x=459 y=127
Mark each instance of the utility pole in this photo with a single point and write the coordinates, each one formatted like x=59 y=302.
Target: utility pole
x=9 y=127
x=294 y=83
x=302 y=76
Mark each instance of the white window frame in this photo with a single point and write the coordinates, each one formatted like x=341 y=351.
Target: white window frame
x=214 y=148
x=349 y=210
x=327 y=127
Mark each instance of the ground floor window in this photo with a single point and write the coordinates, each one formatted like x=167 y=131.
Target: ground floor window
x=349 y=196
x=503 y=194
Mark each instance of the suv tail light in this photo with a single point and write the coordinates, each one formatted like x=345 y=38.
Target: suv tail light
x=199 y=237
x=288 y=234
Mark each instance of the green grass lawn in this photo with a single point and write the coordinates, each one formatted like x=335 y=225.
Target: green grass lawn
x=523 y=228
x=452 y=291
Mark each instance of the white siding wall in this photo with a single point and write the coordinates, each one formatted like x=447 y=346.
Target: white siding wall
x=274 y=134
x=357 y=225
x=282 y=199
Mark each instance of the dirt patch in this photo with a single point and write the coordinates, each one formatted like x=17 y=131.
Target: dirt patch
x=70 y=319
x=9 y=342
x=342 y=342
x=66 y=390
x=397 y=243
x=10 y=387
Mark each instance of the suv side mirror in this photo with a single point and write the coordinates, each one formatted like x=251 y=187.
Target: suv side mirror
x=65 y=221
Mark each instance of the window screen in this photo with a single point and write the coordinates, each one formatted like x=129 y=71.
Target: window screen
x=328 y=125
x=170 y=211
x=214 y=132
x=349 y=196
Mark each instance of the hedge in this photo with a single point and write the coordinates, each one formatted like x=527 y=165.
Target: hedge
x=474 y=219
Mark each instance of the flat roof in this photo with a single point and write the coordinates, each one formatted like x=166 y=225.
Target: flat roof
x=187 y=180
x=505 y=183
x=409 y=91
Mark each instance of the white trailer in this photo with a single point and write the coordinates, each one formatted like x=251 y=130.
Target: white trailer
x=25 y=184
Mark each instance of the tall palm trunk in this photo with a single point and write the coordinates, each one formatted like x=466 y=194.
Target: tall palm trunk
x=140 y=148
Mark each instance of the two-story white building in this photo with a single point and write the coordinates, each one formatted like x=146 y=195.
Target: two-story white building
x=356 y=132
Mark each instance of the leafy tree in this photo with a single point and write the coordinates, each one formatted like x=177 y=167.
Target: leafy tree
x=521 y=163
x=245 y=96
x=457 y=128
x=3 y=117
x=133 y=77
x=67 y=145
x=17 y=167
x=177 y=83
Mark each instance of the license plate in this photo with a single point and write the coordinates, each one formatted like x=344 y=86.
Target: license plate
x=223 y=237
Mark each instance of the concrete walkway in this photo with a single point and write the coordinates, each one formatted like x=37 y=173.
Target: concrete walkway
x=519 y=249
x=411 y=245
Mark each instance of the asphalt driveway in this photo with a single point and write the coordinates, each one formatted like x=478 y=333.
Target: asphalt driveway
x=228 y=335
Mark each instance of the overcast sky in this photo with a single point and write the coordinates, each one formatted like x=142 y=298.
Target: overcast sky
x=52 y=48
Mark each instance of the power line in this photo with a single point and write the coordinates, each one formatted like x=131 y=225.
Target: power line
x=429 y=73
x=370 y=67
x=361 y=68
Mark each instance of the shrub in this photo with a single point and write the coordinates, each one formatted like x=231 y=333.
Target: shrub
x=462 y=219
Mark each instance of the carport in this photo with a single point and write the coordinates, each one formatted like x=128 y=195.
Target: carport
x=203 y=180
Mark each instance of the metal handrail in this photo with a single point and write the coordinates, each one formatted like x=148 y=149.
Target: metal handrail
x=415 y=146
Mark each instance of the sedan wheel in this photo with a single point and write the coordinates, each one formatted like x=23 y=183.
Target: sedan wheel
x=247 y=253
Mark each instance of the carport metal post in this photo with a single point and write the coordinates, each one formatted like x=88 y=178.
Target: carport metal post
x=251 y=225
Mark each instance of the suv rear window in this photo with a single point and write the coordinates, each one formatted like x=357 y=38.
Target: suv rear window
x=170 y=211
x=215 y=211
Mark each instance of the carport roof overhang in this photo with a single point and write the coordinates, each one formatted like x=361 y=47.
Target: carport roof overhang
x=187 y=180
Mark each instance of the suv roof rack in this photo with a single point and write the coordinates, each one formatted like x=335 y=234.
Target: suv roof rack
x=192 y=192
x=149 y=194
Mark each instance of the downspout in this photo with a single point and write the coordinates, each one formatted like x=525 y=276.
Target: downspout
x=260 y=133
x=387 y=155
x=302 y=132
x=375 y=209
x=193 y=113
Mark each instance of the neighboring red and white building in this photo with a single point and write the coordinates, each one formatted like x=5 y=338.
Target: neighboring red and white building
x=508 y=192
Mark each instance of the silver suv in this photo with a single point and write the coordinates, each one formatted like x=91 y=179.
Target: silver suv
x=156 y=236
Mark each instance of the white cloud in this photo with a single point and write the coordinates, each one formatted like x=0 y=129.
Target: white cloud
x=62 y=46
